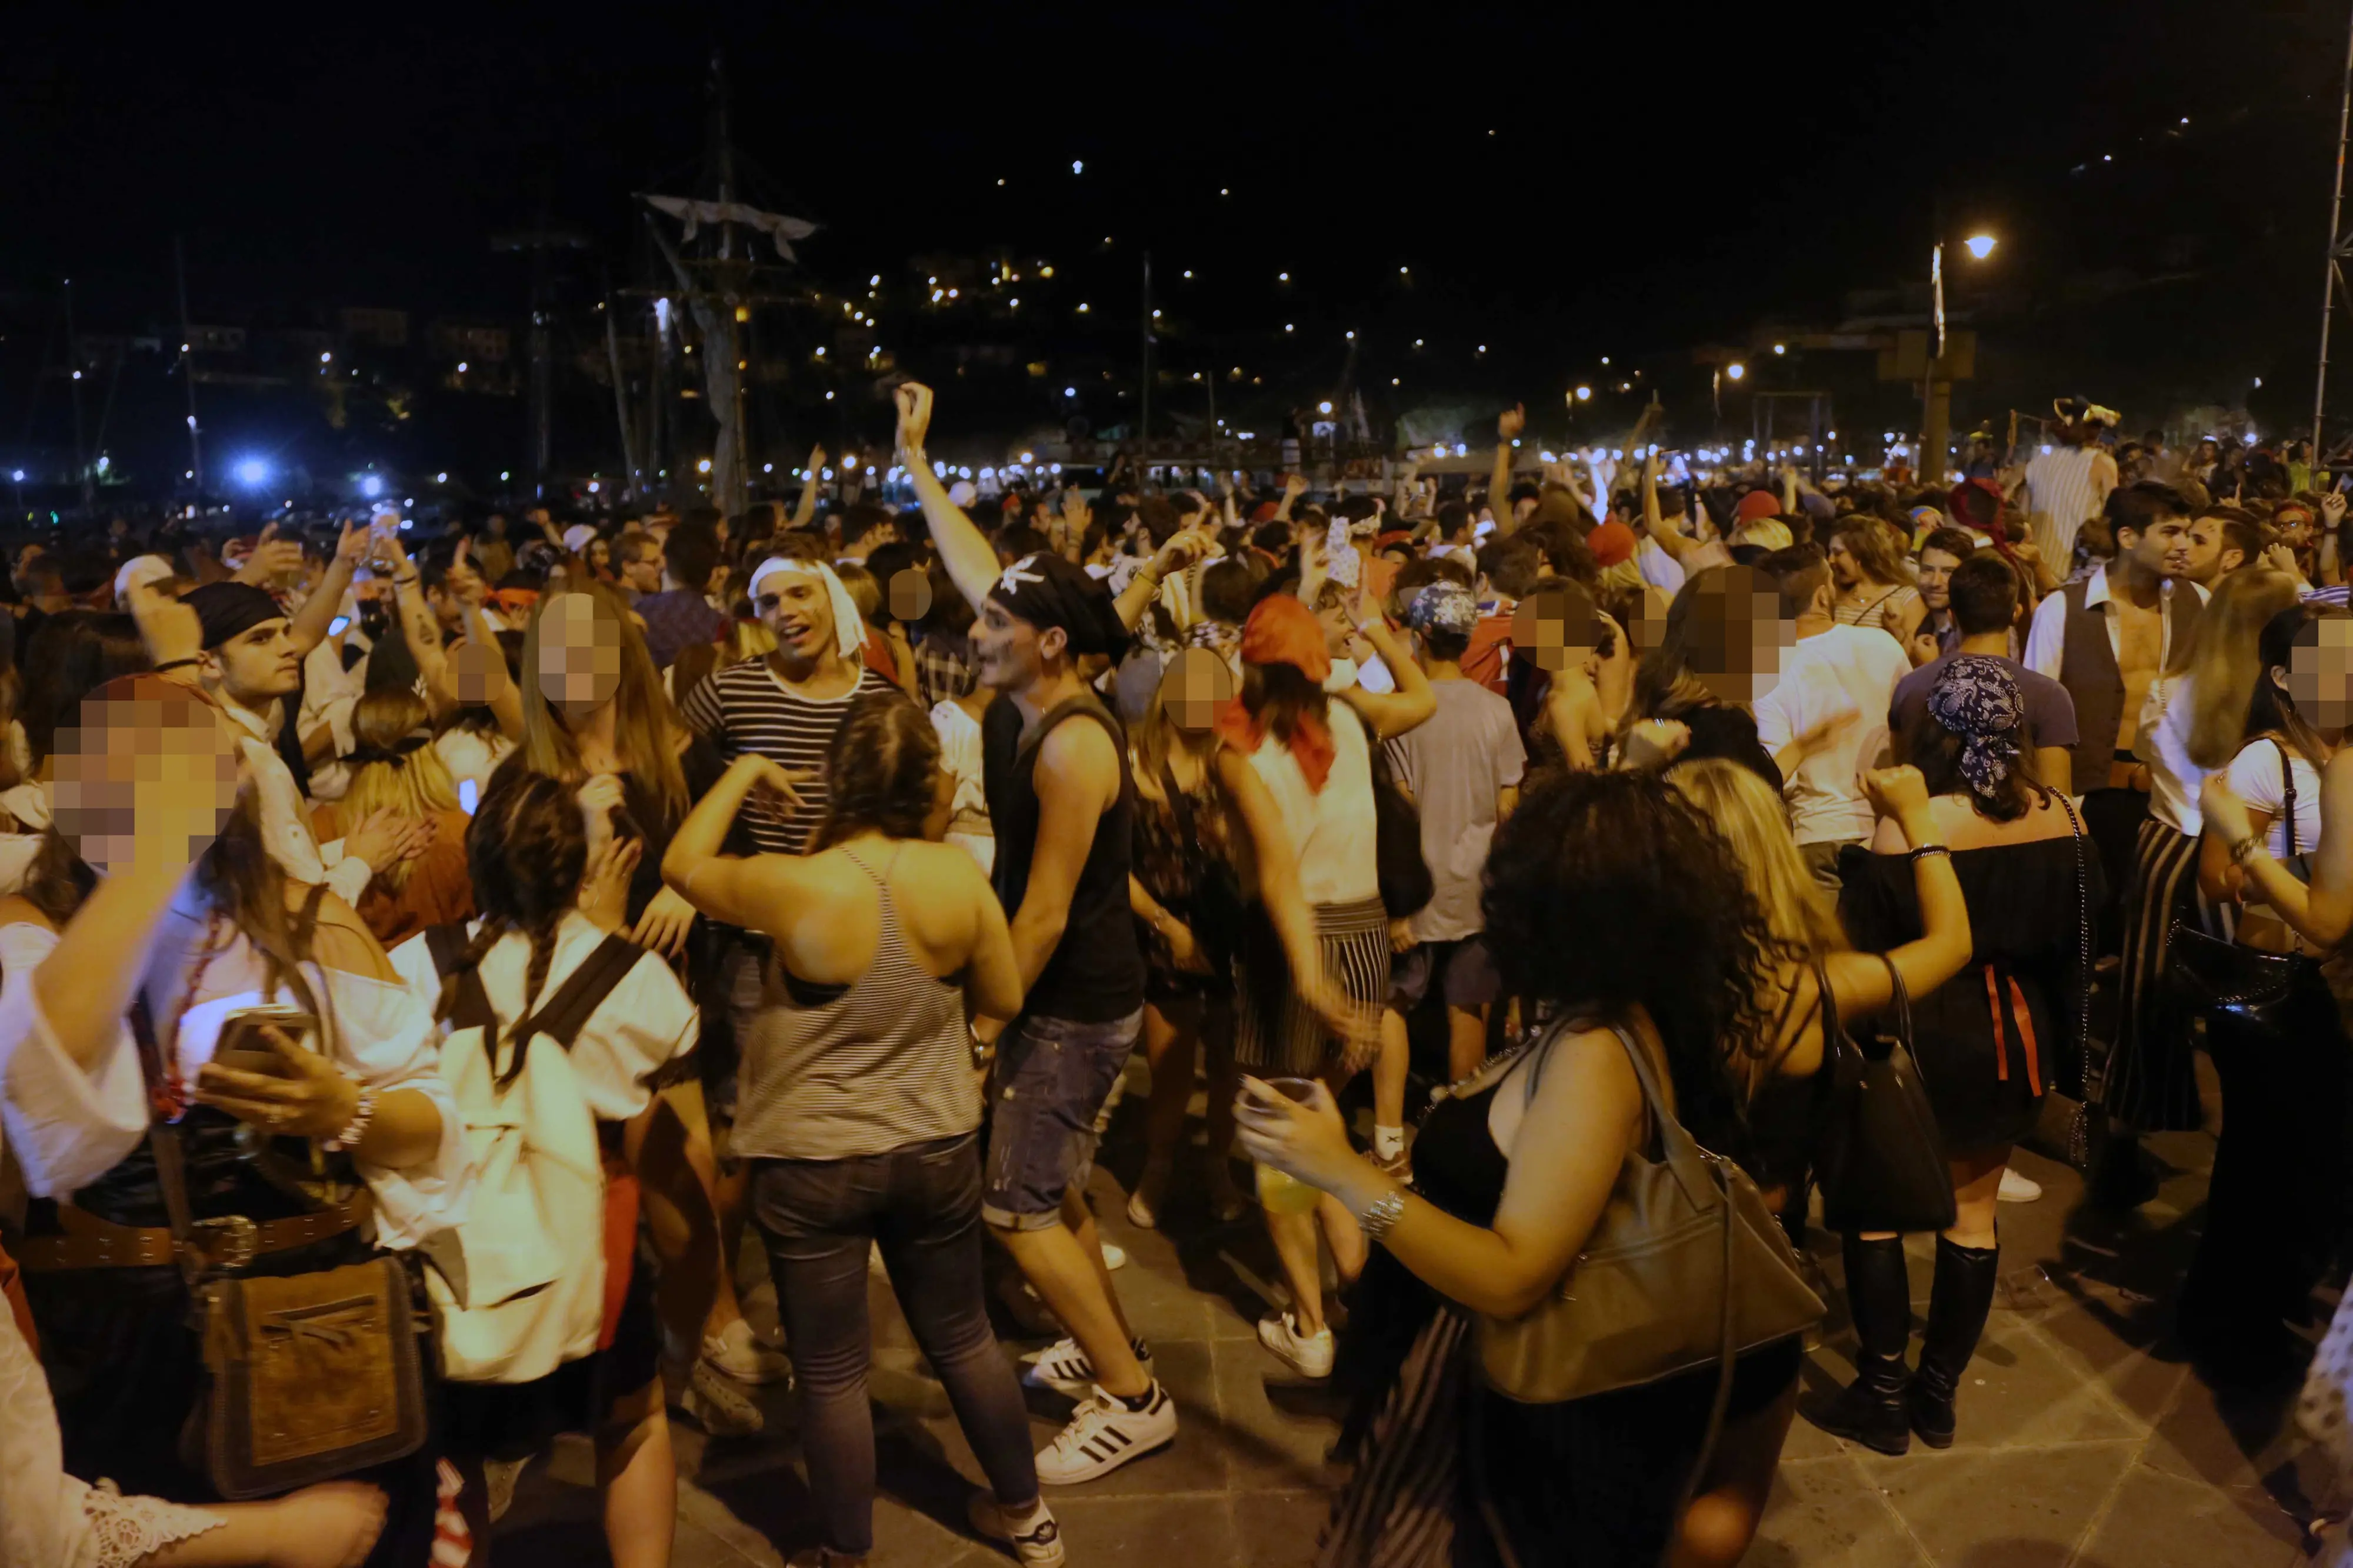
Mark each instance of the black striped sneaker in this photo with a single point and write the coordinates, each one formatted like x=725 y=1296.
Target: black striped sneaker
x=1105 y=1434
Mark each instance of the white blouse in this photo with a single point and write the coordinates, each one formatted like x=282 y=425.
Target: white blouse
x=380 y=1031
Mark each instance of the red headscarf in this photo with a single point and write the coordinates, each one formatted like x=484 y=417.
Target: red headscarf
x=1281 y=630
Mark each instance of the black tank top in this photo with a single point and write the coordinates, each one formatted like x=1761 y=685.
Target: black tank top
x=1096 y=973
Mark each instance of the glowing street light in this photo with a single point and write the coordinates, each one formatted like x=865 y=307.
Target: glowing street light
x=1584 y=394
x=1980 y=245
x=1735 y=370
x=251 y=472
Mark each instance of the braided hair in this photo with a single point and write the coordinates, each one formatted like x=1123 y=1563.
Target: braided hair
x=526 y=850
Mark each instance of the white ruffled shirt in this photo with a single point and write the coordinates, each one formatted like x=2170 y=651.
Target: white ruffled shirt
x=67 y=1127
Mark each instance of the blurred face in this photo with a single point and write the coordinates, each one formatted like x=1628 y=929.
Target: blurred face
x=1556 y=626
x=2295 y=526
x=795 y=606
x=2210 y=553
x=1734 y=635
x=579 y=655
x=1195 y=689
x=2319 y=676
x=260 y=663
x=146 y=780
x=2164 y=549
x=1937 y=578
x=600 y=554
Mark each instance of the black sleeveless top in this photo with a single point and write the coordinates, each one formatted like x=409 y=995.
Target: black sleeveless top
x=1096 y=973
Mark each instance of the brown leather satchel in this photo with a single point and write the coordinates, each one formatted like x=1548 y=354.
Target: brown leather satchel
x=1687 y=1268
x=311 y=1377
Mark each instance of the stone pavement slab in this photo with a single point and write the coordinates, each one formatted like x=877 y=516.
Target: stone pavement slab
x=2084 y=1441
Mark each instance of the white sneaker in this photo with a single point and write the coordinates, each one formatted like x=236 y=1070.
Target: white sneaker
x=2017 y=1189
x=1063 y=1367
x=1114 y=1255
x=1039 y=1543
x=1309 y=1354
x=1103 y=1435
x=738 y=1352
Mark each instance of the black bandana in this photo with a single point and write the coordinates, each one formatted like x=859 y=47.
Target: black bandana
x=226 y=609
x=1046 y=591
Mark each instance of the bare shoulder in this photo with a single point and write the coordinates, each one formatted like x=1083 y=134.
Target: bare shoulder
x=1077 y=744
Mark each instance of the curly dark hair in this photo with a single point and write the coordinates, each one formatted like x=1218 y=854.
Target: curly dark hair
x=879 y=769
x=1605 y=891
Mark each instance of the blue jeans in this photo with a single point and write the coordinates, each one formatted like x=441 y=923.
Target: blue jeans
x=922 y=1204
x=1052 y=1076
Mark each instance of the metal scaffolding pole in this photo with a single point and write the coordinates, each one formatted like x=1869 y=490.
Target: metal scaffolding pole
x=2339 y=246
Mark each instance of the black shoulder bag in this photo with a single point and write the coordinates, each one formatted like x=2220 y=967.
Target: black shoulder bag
x=1882 y=1161
x=2212 y=975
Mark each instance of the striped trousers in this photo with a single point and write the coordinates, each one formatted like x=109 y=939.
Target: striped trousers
x=2149 y=1083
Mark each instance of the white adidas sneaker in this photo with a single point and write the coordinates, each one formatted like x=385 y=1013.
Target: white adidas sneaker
x=1309 y=1354
x=1103 y=1435
x=1063 y=1367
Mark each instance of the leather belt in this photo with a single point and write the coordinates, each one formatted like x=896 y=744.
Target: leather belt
x=226 y=1242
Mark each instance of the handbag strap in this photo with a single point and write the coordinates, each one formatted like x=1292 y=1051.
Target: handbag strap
x=164 y=1139
x=2287 y=787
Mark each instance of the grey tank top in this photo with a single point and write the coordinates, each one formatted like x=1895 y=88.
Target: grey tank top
x=832 y=1072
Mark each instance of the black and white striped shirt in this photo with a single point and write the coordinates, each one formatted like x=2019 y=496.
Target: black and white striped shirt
x=746 y=707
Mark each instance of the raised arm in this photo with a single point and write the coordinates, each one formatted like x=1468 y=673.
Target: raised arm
x=805 y=507
x=1859 y=982
x=309 y=627
x=970 y=559
x=1508 y=426
x=1391 y=713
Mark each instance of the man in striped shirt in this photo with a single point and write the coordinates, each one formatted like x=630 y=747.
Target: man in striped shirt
x=787 y=706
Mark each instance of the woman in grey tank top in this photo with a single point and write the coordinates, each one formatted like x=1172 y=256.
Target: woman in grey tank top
x=860 y=1105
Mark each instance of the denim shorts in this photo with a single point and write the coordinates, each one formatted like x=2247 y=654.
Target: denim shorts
x=1052 y=1076
x=1462 y=970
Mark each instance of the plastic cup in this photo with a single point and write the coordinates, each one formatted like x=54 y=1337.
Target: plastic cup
x=1279 y=1191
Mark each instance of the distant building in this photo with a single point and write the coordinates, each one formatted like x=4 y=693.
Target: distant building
x=378 y=328
x=470 y=341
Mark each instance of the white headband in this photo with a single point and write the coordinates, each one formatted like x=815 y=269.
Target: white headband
x=848 y=626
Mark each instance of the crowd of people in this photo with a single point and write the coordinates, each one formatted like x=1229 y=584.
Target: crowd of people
x=417 y=967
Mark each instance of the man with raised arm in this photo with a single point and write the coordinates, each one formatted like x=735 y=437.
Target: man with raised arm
x=1061 y=801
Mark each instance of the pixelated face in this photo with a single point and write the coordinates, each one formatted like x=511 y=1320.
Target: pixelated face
x=146 y=780
x=910 y=593
x=2320 y=672
x=1195 y=689
x=1735 y=634
x=1556 y=626
x=795 y=606
x=473 y=671
x=1937 y=578
x=579 y=655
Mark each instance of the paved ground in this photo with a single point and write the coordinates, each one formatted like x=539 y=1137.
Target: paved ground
x=2083 y=1440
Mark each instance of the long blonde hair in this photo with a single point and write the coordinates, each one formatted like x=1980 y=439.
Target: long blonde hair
x=396 y=767
x=2223 y=661
x=1752 y=820
x=644 y=724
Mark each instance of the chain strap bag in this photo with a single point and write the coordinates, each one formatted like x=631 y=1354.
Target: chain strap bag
x=309 y=1376
x=1687 y=1268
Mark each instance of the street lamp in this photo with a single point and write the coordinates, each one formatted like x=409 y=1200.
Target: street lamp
x=1980 y=245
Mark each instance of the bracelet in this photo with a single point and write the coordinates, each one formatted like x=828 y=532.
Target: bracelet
x=2246 y=849
x=1380 y=1217
x=404 y=581
x=983 y=1051
x=1921 y=852
x=176 y=663
x=361 y=1115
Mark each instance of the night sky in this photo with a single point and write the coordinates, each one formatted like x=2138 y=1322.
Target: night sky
x=1561 y=182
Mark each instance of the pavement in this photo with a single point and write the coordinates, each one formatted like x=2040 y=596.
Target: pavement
x=2085 y=1441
